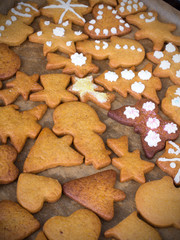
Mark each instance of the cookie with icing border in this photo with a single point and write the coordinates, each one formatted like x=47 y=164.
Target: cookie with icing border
x=106 y=23
x=62 y=10
x=153 y=129
x=77 y=63
x=109 y=2
x=57 y=37
x=87 y=90
x=151 y=28
x=168 y=62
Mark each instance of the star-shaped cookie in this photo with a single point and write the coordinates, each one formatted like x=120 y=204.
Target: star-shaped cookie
x=57 y=37
x=78 y=64
x=62 y=10
x=168 y=62
x=109 y=2
x=96 y=192
x=21 y=85
x=136 y=83
x=54 y=91
x=151 y=28
x=129 y=163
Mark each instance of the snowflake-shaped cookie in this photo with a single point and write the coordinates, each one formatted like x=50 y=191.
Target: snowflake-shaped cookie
x=127 y=7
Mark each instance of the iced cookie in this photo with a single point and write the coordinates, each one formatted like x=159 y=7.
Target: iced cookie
x=50 y=151
x=77 y=63
x=16 y=223
x=168 y=63
x=87 y=90
x=57 y=37
x=169 y=162
x=66 y=10
x=159 y=202
x=8 y=171
x=106 y=23
x=33 y=191
x=151 y=28
x=9 y=62
x=82 y=122
x=109 y=2
x=21 y=85
x=41 y=236
x=96 y=192
x=136 y=83
x=54 y=91
x=132 y=228
x=126 y=7
x=130 y=164
x=144 y=117
x=82 y=224
x=18 y=126
x=120 y=51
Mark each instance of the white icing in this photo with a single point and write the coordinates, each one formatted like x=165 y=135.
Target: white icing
x=144 y=75
x=59 y=31
x=177 y=177
x=148 y=106
x=78 y=59
x=125 y=46
x=130 y=2
x=177 y=91
x=101 y=97
x=121 y=21
x=97 y=31
x=127 y=74
x=99 y=17
x=97 y=41
x=129 y=8
x=150 y=14
x=135 y=6
x=165 y=64
x=177 y=152
x=13 y=18
x=138 y=87
x=101 y=6
x=113 y=30
x=131 y=112
x=39 y=33
x=158 y=54
x=27 y=9
x=122 y=4
x=100 y=12
x=172 y=165
x=170 y=128
x=105 y=45
x=97 y=47
x=127 y=25
x=117 y=17
x=19 y=7
x=77 y=33
x=170 y=48
x=141 y=16
x=109 y=7
x=178 y=73
x=20 y=14
x=105 y=32
x=141 y=4
x=152 y=139
x=0 y=34
x=121 y=28
x=27 y=5
x=92 y=21
x=152 y=123
x=114 y=11
x=111 y=76
x=2 y=28
x=49 y=43
x=121 y=9
x=117 y=46
x=124 y=1
x=46 y=23
x=65 y=24
x=135 y=1
x=132 y=48
x=176 y=58
x=150 y=20
x=176 y=102
x=8 y=22
x=139 y=49
x=90 y=27
x=68 y=43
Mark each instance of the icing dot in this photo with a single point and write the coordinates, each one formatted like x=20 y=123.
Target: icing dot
x=142 y=16
x=113 y=30
x=144 y=75
x=27 y=9
x=172 y=165
x=100 y=12
x=109 y=7
x=127 y=74
x=65 y=24
x=125 y=1
x=99 y=17
x=117 y=17
x=121 y=21
x=101 y=6
x=138 y=87
x=176 y=58
x=97 y=31
x=129 y=2
x=150 y=14
x=121 y=28
x=132 y=48
x=117 y=46
x=135 y=6
x=90 y=27
x=77 y=33
x=127 y=25
x=129 y=8
x=114 y=11
x=111 y=76
x=121 y=9
x=68 y=43
x=39 y=33
x=125 y=46
x=46 y=23
x=165 y=64
x=141 y=4
x=2 y=28
x=13 y=18
x=122 y=4
x=178 y=73
x=97 y=47
x=105 y=31
x=170 y=47
x=59 y=31
x=158 y=54
x=150 y=20
x=97 y=41
x=139 y=50
x=49 y=43
x=92 y=21
x=8 y=22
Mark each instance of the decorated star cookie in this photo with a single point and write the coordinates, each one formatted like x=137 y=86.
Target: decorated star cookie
x=168 y=63
x=129 y=163
x=138 y=84
x=18 y=126
x=127 y=7
x=96 y=192
x=82 y=122
x=54 y=91
x=159 y=202
x=8 y=171
x=50 y=151
x=82 y=224
x=169 y=162
x=106 y=23
x=78 y=64
x=171 y=103
x=21 y=85
x=57 y=37
x=62 y=10
x=33 y=191
x=132 y=228
x=144 y=117
x=16 y=222
x=151 y=28
x=109 y=2
x=120 y=51
x=88 y=91
x=41 y=236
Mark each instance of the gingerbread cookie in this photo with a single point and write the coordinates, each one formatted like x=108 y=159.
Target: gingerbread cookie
x=41 y=236
x=78 y=64
x=82 y=122
x=96 y=192
x=9 y=62
x=151 y=28
x=159 y=202
x=109 y=2
x=8 y=171
x=168 y=63
x=54 y=91
x=136 y=83
x=18 y=126
x=16 y=222
x=21 y=85
x=106 y=23
x=171 y=103
x=169 y=162
x=120 y=51
x=50 y=151
x=33 y=191
x=57 y=37
x=126 y=8
x=89 y=91
x=144 y=117
x=82 y=224
x=66 y=10
x=129 y=163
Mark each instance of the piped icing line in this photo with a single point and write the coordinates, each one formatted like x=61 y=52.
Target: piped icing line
x=169 y=159
x=175 y=146
x=20 y=14
x=177 y=177
x=28 y=5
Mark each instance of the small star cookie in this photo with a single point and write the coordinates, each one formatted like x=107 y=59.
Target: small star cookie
x=127 y=7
